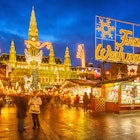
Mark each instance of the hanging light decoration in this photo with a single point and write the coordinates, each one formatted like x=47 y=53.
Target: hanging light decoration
x=38 y=45
x=132 y=70
x=81 y=54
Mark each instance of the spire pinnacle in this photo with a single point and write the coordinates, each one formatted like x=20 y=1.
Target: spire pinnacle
x=67 y=60
x=33 y=31
x=12 y=54
x=12 y=43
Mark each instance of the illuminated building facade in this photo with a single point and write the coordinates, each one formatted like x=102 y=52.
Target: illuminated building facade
x=52 y=71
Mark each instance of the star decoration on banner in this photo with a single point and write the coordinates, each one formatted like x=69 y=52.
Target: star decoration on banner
x=105 y=28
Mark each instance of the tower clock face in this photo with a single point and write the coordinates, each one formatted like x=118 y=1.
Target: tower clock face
x=33 y=39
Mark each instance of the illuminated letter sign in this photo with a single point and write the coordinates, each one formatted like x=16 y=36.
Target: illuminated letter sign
x=116 y=41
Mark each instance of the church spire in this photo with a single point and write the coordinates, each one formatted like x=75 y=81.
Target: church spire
x=12 y=55
x=67 y=61
x=51 y=56
x=33 y=31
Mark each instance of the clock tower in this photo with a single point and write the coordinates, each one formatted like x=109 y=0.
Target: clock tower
x=33 y=33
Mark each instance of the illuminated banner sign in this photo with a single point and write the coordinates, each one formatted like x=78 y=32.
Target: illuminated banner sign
x=117 y=41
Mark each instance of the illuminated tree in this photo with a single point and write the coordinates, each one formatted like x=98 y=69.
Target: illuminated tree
x=35 y=80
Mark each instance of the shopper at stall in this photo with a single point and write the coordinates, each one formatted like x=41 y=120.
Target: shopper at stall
x=34 y=103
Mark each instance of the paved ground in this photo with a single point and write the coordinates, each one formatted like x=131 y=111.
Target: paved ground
x=62 y=123
x=72 y=124
x=8 y=127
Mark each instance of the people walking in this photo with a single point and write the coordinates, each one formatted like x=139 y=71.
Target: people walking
x=34 y=103
x=68 y=101
x=1 y=103
x=21 y=104
x=52 y=100
x=76 y=101
x=85 y=101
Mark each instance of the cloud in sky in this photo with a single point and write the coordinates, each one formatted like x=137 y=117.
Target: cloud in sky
x=63 y=22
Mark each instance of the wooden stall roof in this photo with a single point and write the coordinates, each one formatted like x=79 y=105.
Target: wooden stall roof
x=94 y=83
x=76 y=82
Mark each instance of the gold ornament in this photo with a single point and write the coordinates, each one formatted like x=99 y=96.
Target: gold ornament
x=105 y=28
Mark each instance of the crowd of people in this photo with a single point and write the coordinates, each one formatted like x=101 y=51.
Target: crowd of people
x=33 y=102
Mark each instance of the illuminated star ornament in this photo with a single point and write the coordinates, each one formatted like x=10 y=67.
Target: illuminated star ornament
x=105 y=28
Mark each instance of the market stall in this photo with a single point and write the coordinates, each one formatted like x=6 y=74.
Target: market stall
x=111 y=95
x=123 y=95
x=93 y=88
x=77 y=86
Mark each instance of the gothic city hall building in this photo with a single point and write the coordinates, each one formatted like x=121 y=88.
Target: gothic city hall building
x=51 y=71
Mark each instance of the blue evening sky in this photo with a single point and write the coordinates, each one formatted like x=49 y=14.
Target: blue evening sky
x=62 y=22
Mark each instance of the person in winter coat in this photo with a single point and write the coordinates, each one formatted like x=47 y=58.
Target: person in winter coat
x=52 y=100
x=34 y=103
x=76 y=101
x=85 y=101
x=1 y=103
x=68 y=101
x=21 y=104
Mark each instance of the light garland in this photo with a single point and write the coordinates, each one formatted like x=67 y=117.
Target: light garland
x=38 y=45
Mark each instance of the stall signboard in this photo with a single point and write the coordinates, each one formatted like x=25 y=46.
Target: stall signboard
x=116 y=41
